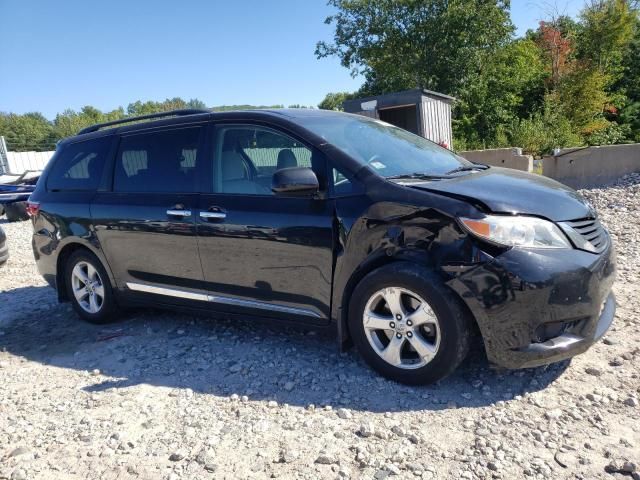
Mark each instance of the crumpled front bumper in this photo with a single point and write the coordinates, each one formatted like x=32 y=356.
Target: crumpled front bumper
x=540 y=307
x=566 y=345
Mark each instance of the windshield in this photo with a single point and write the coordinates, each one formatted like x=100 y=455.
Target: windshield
x=389 y=150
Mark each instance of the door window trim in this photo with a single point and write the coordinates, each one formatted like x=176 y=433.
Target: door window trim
x=201 y=157
x=209 y=184
x=332 y=190
x=106 y=165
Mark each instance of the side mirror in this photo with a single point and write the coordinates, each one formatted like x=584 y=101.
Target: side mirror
x=295 y=182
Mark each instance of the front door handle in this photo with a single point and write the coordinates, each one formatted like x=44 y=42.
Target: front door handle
x=213 y=215
x=174 y=212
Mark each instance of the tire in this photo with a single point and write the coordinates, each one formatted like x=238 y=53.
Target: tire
x=441 y=325
x=16 y=211
x=1 y=210
x=98 y=305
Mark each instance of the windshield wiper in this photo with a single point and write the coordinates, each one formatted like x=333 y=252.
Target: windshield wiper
x=416 y=176
x=468 y=168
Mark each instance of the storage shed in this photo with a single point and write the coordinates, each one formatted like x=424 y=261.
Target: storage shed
x=420 y=111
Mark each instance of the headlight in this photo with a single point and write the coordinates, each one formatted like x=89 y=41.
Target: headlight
x=517 y=231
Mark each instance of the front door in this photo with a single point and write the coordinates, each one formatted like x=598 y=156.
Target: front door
x=263 y=254
x=146 y=225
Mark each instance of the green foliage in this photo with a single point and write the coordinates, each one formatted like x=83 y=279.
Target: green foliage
x=630 y=115
x=71 y=122
x=334 y=101
x=510 y=85
x=33 y=132
x=630 y=80
x=607 y=29
x=196 y=104
x=582 y=97
x=434 y=44
x=561 y=85
x=610 y=134
x=543 y=131
x=27 y=132
x=227 y=108
x=146 y=108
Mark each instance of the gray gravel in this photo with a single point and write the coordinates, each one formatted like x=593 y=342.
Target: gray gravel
x=168 y=396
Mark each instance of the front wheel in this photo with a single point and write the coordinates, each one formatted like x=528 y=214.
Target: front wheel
x=89 y=288
x=408 y=325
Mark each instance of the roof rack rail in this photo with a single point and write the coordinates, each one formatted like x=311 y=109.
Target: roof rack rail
x=171 y=113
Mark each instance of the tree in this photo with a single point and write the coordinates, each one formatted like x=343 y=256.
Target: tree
x=582 y=98
x=226 y=108
x=28 y=132
x=607 y=30
x=146 y=108
x=334 y=101
x=434 y=44
x=70 y=122
x=544 y=130
x=32 y=131
x=196 y=104
x=628 y=84
x=510 y=86
x=557 y=47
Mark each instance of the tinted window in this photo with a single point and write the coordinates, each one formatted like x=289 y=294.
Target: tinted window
x=386 y=149
x=342 y=185
x=158 y=162
x=248 y=156
x=79 y=165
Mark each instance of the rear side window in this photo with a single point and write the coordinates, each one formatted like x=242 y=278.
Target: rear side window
x=79 y=166
x=158 y=162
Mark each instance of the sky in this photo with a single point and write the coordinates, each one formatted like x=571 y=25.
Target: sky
x=56 y=55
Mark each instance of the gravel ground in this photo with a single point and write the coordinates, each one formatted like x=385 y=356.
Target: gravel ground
x=169 y=396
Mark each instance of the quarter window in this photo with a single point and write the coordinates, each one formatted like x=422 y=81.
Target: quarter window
x=343 y=185
x=79 y=166
x=248 y=156
x=158 y=162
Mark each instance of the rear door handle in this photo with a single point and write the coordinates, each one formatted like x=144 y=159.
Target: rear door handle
x=178 y=213
x=213 y=215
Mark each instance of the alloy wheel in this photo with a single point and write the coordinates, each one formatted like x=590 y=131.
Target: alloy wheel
x=401 y=327
x=88 y=288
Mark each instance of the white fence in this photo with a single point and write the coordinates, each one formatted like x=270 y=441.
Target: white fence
x=20 y=162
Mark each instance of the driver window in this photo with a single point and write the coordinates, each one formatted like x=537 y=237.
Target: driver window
x=247 y=157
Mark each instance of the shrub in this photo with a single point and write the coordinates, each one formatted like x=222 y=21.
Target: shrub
x=543 y=131
x=609 y=134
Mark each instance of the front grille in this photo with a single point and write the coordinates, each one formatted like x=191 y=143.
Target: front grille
x=594 y=236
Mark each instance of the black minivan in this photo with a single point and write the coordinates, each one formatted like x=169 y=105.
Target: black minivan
x=325 y=219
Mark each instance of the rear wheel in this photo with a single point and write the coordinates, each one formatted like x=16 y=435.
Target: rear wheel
x=16 y=211
x=408 y=325
x=89 y=288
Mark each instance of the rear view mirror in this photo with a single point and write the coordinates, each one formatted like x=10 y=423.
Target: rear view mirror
x=295 y=181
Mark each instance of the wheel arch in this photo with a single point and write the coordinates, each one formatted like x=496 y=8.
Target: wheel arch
x=344 y=335
x=61 y=265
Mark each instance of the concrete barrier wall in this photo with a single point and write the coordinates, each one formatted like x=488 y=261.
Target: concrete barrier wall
x=501 y=157
x=592 y=166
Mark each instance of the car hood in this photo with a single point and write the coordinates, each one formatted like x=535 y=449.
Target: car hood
x=503 y=190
